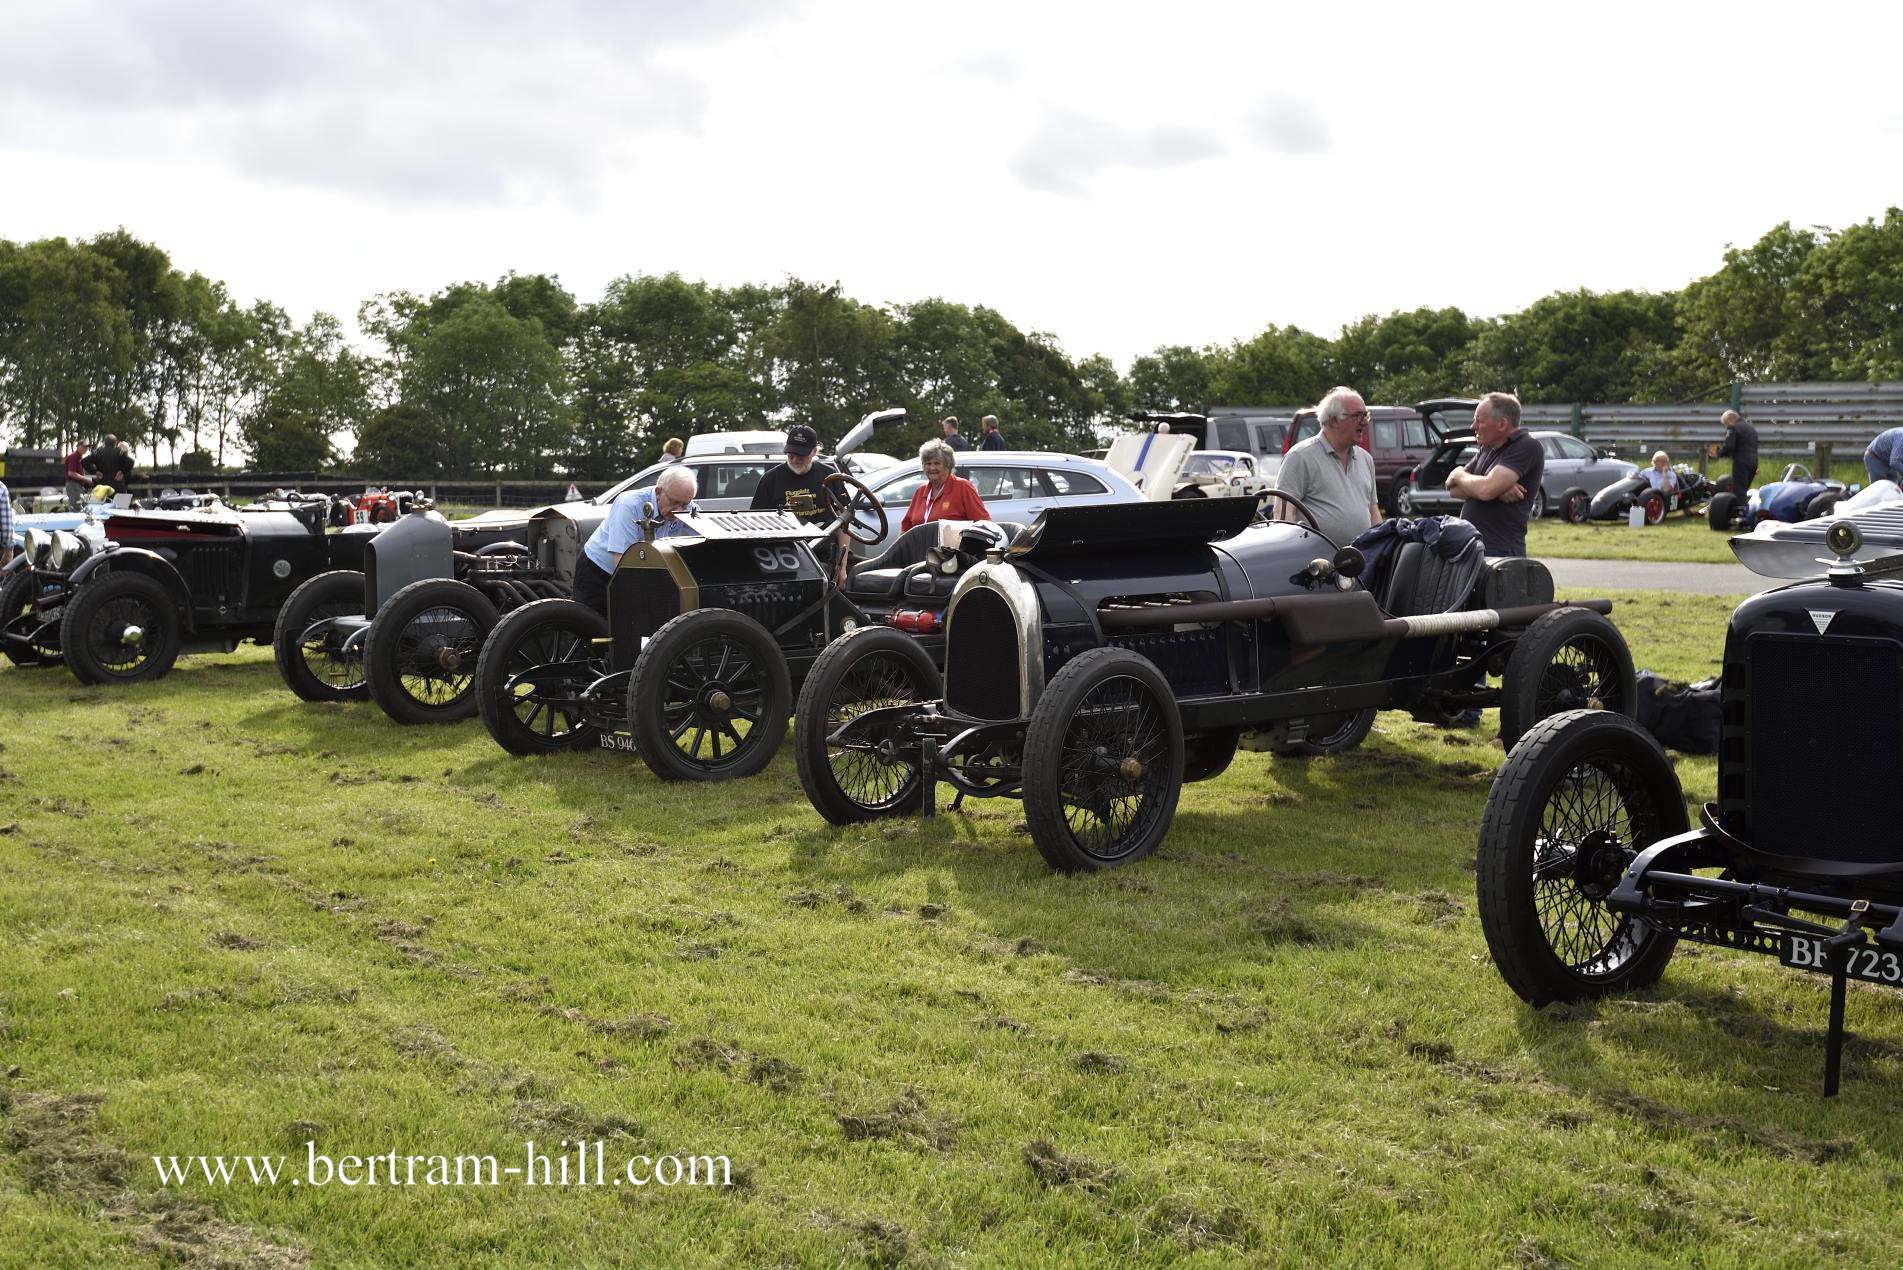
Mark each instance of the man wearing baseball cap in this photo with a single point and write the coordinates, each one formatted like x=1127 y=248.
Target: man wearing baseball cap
x=797 y=486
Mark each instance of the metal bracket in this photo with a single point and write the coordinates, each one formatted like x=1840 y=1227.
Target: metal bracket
x=928 y=775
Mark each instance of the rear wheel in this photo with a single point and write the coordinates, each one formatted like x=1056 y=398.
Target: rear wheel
x=1569 y=659
x=1538 y=509
x=544 y=715
x=312 y=663
x=1208 y=755
x=1823 y=504
x=1576 y=507
x=1103 y=762
x=1721 y=511
x=709 y=697
x=423 y=648
x=1337 y=734
x=118 y=629
x=1404 y=504
x=866 y=775
x=1654 y=508
x=1578 y=798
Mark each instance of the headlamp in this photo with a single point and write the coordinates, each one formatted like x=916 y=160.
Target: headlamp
x=34 y=543
x=67 y=550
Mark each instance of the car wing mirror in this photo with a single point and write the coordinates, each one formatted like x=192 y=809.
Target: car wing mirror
x=1349 y=562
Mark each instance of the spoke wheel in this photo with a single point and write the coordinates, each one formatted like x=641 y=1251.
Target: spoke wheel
x=1569 y=659
x=422 y=651
x=872 y=773
x=311 y=661
x=1579 y=797
x=709 y=697
x=17 y=618
x=1103 y=762
x=121 y=628
x=547 y=715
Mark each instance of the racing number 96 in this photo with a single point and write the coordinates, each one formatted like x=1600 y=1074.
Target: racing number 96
x=780 y=559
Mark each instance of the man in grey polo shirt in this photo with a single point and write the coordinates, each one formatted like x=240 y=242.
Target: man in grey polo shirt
x=1331 y=473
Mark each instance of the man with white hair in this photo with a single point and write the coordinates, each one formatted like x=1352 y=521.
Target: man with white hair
x=1498 y=484
x=639 y=515
x=1331 y=473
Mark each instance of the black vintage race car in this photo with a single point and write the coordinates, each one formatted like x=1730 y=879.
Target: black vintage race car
x=708 y=634
x=119 y=600
x=1114 y=653
x=407 y=629
x=1693 y=491
x=1589 y=872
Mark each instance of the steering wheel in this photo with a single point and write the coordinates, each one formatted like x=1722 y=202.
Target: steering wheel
x=858 y=498
x=1307 y=516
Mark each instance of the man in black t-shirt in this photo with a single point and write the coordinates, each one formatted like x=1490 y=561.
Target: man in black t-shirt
x=1499 y=482
x=1741 y=443
x=797 y=486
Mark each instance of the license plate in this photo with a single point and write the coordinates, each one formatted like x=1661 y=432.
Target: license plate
x=1872 y=965
x=618 y=741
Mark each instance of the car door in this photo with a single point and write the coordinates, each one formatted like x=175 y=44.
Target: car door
x=1562 y=471
x=1010 y=492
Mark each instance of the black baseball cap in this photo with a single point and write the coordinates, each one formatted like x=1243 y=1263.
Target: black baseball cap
x=801 y=439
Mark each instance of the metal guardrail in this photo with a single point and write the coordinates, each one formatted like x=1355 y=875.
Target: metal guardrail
x=1789 y=417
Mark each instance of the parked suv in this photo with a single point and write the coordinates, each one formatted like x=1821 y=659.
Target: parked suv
x=1400 y=438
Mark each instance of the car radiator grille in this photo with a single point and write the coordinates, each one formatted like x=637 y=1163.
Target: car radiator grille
x=981 y=657
x=639 y=601
x=1812 y=743
x=1193 y=662
x=211 y=574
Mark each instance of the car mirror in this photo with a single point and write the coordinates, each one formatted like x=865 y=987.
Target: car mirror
x=1349 y=562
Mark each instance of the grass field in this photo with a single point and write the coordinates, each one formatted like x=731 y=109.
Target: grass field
x=233 y=923
x=1677 y=538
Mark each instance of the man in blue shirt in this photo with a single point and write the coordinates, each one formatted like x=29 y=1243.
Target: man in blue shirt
x=992 y=439
x=1883 y=460
x=640 y=515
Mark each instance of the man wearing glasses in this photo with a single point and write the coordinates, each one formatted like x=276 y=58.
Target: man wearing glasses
x=1331 y=473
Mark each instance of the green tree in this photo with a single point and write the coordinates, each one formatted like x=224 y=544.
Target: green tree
x=404 y=442
x=1402 y=357
x=1578 y=346
x=1174 y=377
x=1283 y=366
x=497 y=382
x=832 y=357
x=320 y=392
x=1852 y=293
x=1750 y=320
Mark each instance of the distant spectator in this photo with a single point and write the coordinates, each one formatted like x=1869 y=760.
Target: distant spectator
x=992 y=438
x=1741 y=443
x=953 y=437
x=639 y=515
x=1499 y=482
x=1883 y=459
x=6 y=524
x=112 y=461
x=1331 y=473
x=671 y=452
x=78 y=477
x=1660 y=475
x=944 y=495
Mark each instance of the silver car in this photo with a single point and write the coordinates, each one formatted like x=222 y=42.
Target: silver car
x=1017 y=485
x=1574 y=470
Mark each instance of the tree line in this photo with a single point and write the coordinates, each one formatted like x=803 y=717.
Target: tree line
x=519 y=378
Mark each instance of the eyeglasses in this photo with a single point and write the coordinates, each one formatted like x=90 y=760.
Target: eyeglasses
x=1358 y=416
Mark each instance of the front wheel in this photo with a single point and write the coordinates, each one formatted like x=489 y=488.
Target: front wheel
x=1569 y=659
x=1822 y=505
x=531 y=672
x=1404 y=504
x=119 y=629
x=1578 y=798
x=423 y=648
x=1538 y=510
x=1721 y=511
x=1577 y=507
x=865 y=775
x=709 y=697
x=311 y=662
x=17 y=618
x=1103 y=762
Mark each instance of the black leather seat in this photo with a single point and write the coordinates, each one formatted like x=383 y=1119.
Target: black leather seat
x=1421 y=582
x=881 y=576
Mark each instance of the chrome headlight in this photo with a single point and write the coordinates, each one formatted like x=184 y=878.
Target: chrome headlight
x=68 y=549
x=34 y=544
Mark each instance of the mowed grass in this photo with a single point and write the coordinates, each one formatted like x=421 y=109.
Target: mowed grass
x=1678 y=537
x=232 y=922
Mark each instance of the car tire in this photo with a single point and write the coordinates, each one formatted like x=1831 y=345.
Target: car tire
x=1106 y=708
x=1823 y=504
x=538 y=634
x=15 y=592
x=870 y=667
x=1654 y=505
x=422 y=651
x=102 y=611
x=1397 y=488
x=1576 y=506
x=1404 y=504
x=1721 y=511
x=677 y=676
x=1538 y=510
x=1565 y=660
x=314 y=674
x=1208 y=755
x=1578 y=797
x=1350 y=732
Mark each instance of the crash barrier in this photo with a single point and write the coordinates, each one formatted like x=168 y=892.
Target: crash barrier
x=1791 y=418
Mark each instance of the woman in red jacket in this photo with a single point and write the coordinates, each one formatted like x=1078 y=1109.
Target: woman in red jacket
x=943 y=496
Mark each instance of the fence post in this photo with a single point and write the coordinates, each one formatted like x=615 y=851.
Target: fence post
x=1737 y=395
x=498 y=493
x=1579 y=420
x=1822 y=470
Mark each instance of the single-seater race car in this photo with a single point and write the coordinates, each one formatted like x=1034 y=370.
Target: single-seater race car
x=407 y=628
x=1589 y=872
x=709 y=633
x=1693 y=491
x=1793 y=497
x=1114 y=653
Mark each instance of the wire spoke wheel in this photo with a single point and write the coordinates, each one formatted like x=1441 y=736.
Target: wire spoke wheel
x=1582 y=675
x=1568 y=659
x=709 y=697
x=868 y=769
x=425 y=645
x=533 y=676
x=120 y=628
x=553 y=717
x=436 y=655
x=322 y=651
x=876 y=769
x=1593 y=824
x=119 y=635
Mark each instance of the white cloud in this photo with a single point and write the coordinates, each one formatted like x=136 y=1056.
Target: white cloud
x=1068 y=149
x=1288 y=125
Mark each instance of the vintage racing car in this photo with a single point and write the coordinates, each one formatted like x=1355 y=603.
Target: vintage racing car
x=708 y=634
x=1114 y=653
x=407 y=629
x=1795 y=496
x=1589 y=872
x=1693 y=491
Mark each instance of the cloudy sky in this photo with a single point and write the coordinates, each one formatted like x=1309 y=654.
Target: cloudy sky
x=1120 y=175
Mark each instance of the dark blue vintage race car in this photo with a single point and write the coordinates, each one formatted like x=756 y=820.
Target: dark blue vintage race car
x=1113 y=653
x=1795 y=496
